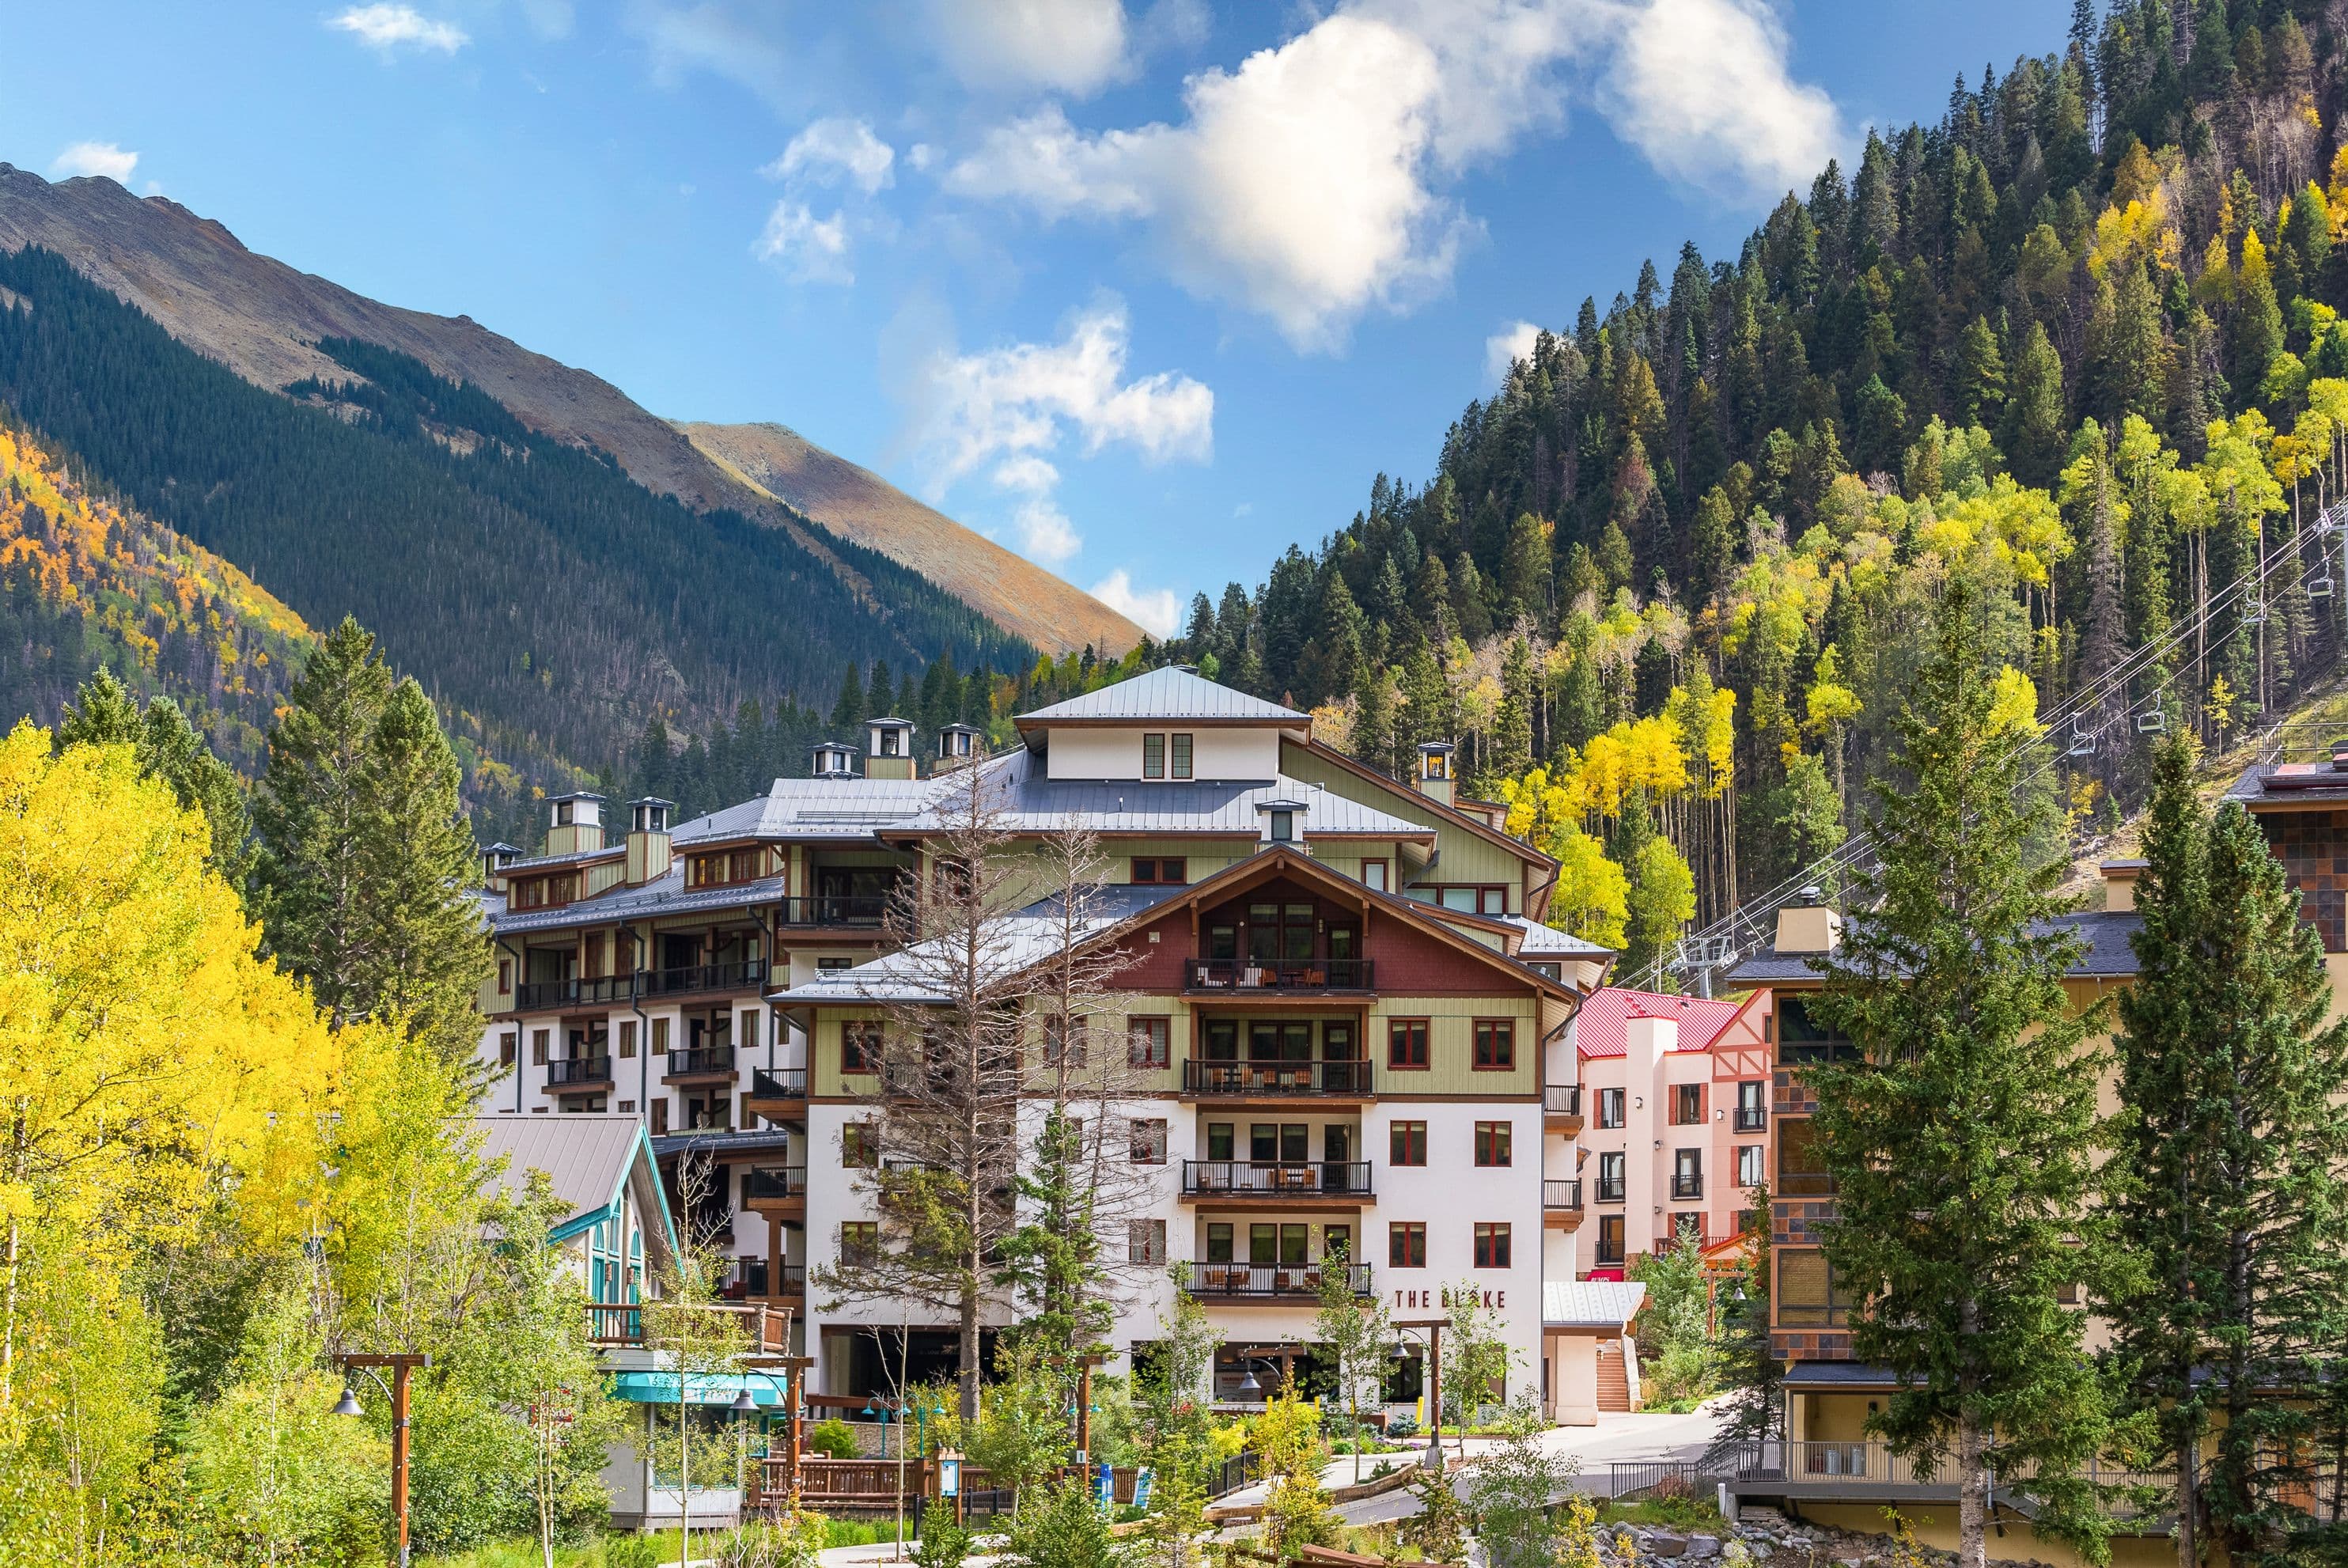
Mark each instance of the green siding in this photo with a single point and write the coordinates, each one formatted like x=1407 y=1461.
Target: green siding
x=1450 y=1046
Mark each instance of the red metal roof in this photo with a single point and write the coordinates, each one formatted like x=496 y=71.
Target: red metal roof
x=1598 y=1029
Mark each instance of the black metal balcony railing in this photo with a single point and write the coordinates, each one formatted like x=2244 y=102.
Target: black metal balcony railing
x=835 y=908
x=1350 y=1078
x=1561 y=1098
x=1317 y=975
x=1275 y=1179
x=778 y=1083
x=1268 y=1282
x=701 y=1059
x=777 y=1181
x=739 y=975
x=543 y=995
x=1561 y=1194
x=1752 y=1118
x=1687 y=1184
x=792 y=1281
x=1610 y=1253
x=1609 y=1189
x=575 y=1071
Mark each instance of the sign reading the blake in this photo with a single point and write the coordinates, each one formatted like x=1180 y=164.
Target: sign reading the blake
x=1420 y=1300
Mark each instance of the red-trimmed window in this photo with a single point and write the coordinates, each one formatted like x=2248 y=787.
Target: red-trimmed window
x=1493 y=1143
x=1406 y=1044
x=1492 y=1248
x=1407 y=1244
x=1496 y=1045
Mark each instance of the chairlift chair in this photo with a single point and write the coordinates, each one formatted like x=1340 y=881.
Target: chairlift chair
x=2083 y=739
x=2319 y=587
x=2152 y=721
x=2256 y=615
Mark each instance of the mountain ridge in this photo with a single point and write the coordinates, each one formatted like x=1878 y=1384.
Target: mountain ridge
x=263 y=319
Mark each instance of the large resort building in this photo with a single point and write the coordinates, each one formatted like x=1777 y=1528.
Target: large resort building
x=1349 y=1028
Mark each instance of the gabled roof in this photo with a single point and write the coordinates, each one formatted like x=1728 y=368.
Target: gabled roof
x=1601 y=1028
x=1468 y=820
x=1542 y=941
x=1027 y=802
x=1169 y=695
x=591 y=1160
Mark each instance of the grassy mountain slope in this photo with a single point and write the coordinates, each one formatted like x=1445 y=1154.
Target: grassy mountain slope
x=264 y=320
x=860 y=505
x=534 y=588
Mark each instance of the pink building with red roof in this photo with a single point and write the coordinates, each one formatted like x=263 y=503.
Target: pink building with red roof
x=1670 y=1128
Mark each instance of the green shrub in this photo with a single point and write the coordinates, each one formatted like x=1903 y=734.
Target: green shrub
x=631 y=1552
x=833 y=1439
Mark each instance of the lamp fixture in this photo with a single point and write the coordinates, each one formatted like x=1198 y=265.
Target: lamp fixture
x=348 y=1405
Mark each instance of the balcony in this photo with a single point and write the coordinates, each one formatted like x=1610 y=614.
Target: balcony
x=1561 y=1100
x=702 y=1061
x=1752 y=1118
x=579 y=1075
x=778 y=1094
x=1870 y=1472
x=1276 y=1081
x=776 y=1184
x=1273 y=1180
x=1609 y=1189
x=549 y=995
x=742 y=974
x=1561 y=1203
x=834 y=910
x=1240 y=975
x=1299 y=1283
x=1687 y=1185
x=751 y=1280
x=622 y=1321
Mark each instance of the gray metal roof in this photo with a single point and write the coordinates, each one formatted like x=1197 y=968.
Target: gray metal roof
x=1547 y=942
x=1170 y=695
x=590 y=1158
x=2107 y=956
x=576 y=856
x=759 y=1141
x=663 y=896
x=1017 y=942
x=1030 y=802
x=813 y=809
x=1590 y=1303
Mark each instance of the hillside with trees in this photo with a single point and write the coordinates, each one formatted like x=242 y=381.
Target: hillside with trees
x=2077 y=342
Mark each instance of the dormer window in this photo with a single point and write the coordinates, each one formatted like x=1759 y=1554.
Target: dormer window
x=1153 y=757
x=889 y=743
x=1182 y=755
x=1283 y=827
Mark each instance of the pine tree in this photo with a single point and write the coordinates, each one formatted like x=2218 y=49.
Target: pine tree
x=848 y=711
x=1754 y=1411
x=1951 y=989
x=2227 y=1145
x=2032 y=433
x=170 y=748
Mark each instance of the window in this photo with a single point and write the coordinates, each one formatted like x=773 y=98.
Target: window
x=1496 y=1045
x=1149 y=1042
x=860 y=1146
x=1160 y=871
x=1750 y=1158
x=1609 y=1176
x=627 y=1107
x=538 y=1047
x=1687 y=1174
x=509 y=1047
x=1278 y=1144
x=1406 y=1246
x=1145 y=1240
x=859 y=1046
x=1808 y=1294
x=1610 y=1107
x=1181 y=748
x=1063 y=1036
x=1802 y=1039
x=833 y=965
x=659 y=1115
x=1406 y=1143
x=1753 y=1106
x=1283 y=827
x=660 y=1037
x=1279 y=1245
x=1218 y=1243
x=1492 y=1246
x=1492 y=901
x=1373 y=875
x=1687 y=1104
x=627 y=1038
x=746 y=1036
x=1801 y=1168
x=1610 y=1240
x=505 y=974
x=1220 y=1140
x=1492 y=1143
x=1148 y=1143
x=1153 y=757
x=1336 y=1243
x=860 y=1242
x=1407 y=1043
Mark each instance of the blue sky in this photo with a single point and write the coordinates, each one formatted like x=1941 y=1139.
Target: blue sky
x=1145 y=289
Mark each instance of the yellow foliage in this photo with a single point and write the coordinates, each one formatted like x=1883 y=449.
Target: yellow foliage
x=2254 y=257
x=2131 y=234
x=2014 y=710
x=2335 y=195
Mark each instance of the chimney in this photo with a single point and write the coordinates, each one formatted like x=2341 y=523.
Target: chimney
x=956 y=743
x=495 y=859
x=833 y=760
x=648 y=845
x=1434 y=778
x=575 y=823
x=889 y=748
x=2120 y=884
x=1808 y=925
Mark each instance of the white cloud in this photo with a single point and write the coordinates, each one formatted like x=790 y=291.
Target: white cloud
x=806 y=248
x=1505 y=347
x=1059 y=46
x=1703 y=88
x=94 y=158
x=835 y=150
x=1155 y=609
x=391 y=28
x=1310 y=184
x=1007 y=410
x=746 y=44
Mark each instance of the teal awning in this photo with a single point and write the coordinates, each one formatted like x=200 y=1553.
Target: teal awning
x=701 y=1388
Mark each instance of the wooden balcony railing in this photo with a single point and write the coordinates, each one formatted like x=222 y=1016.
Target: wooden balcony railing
x=1318 y=975
x=1267 y=1281
x=1274 y=1180
x=1346 y=1077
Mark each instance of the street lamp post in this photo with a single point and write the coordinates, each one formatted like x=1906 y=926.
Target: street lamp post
x=880 y=1407
x=348 y=1405
x=1433 y=1326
